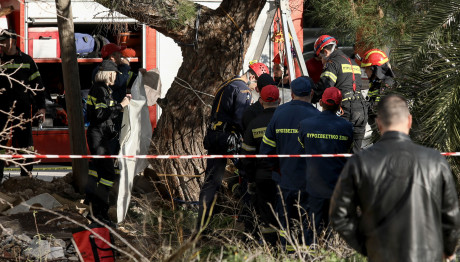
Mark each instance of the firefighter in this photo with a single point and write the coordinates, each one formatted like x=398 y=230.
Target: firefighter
x=281 y=138
x=112 y=52
x=102 y=110
x=256 y=108
x=224 y=134
x=258 y=173
x=342 y=72
x=381 y=78
x=325 y=133
x=20 y=76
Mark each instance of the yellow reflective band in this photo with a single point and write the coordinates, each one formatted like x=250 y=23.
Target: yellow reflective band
x=331 y=75
x=101 y=105
x=236 y=172
x=219 y=123
x=130 y=75
x=34 y=75
x=112 y=103
x=2 y=151
x=258 y=132
x=327 y=136
x=248 y=148
x=91 y=100
x=268 y=141
x=106 y=182
x=287 y=131
x=234 y=187
x=117 y=171
x=290 y=248
x=92 y=173
x=267 y=230
x=346 y=68
x=282 y=233
x=15 y=66
x=298 y=138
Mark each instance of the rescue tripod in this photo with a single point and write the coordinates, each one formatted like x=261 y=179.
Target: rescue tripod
x=289 y=34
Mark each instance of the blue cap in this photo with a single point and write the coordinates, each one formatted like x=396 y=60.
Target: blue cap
x=302 y=86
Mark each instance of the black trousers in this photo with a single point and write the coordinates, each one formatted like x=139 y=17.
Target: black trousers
x=266 y=195
x=98 y=188
x=318 y=214
x=215 y=170
x=355 y=111
x=21 y=138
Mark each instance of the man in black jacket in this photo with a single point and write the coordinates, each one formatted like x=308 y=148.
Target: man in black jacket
x=406 y=194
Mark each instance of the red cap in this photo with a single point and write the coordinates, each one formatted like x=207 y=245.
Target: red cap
x=332 y=96
x=109 y=49
x=270 y=93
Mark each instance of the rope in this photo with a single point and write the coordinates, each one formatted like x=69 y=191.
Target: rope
x=231 y=18
x=194 y=90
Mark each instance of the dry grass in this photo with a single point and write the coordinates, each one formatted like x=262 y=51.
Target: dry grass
x=164 y=232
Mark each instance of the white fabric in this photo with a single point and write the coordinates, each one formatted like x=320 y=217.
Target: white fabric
x=135 y=136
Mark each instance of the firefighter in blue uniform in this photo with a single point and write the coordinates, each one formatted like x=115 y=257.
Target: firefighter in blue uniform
x=102 y=111
x=281 y=137
x=325 y=133
x=342 y=72
x=22 y=68
x=223 y=136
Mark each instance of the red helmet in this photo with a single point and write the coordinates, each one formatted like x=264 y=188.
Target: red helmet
x=259 y=68
x=374 y=57
x=323 y=41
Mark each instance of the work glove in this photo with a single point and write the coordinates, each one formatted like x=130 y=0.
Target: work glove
x=233 y=143
x=252 y=188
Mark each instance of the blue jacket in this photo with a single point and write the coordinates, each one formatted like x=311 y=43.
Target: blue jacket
x=231 y=99
x=325 y=133
x=281 y=137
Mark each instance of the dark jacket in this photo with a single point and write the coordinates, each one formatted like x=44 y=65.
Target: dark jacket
x=325 y=133
x=408 y=202
x=102 y=109
x=281 y=137
x=254 y=167
x=250 y=113
x=22 y=68
x=231 y=99
x=338 y=71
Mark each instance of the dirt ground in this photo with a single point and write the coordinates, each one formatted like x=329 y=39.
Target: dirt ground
x=59 y=223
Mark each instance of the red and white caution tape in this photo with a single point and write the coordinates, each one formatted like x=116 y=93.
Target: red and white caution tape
x=5 y=156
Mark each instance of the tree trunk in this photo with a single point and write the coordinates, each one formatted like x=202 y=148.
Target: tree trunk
x=72 y=90
x=213 y=57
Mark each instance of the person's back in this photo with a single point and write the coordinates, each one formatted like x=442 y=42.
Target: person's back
x=407 y=197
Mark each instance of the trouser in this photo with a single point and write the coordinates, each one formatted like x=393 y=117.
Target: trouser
x=291 y=209
x=214 y=174
x=318 y=214
x=102 y=173
x=264 y=198
x=20 y=138
x=355 y=111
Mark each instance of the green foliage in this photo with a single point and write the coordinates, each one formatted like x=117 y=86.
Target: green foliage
x=428 y=73
x=179 y=14
x=371 y=23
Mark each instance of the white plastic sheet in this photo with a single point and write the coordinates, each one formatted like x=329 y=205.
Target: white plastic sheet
x=135 y=137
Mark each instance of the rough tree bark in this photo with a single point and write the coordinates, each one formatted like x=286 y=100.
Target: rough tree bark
x=214 y=58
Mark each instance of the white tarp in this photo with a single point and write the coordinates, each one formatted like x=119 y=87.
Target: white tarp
x=135 y=137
